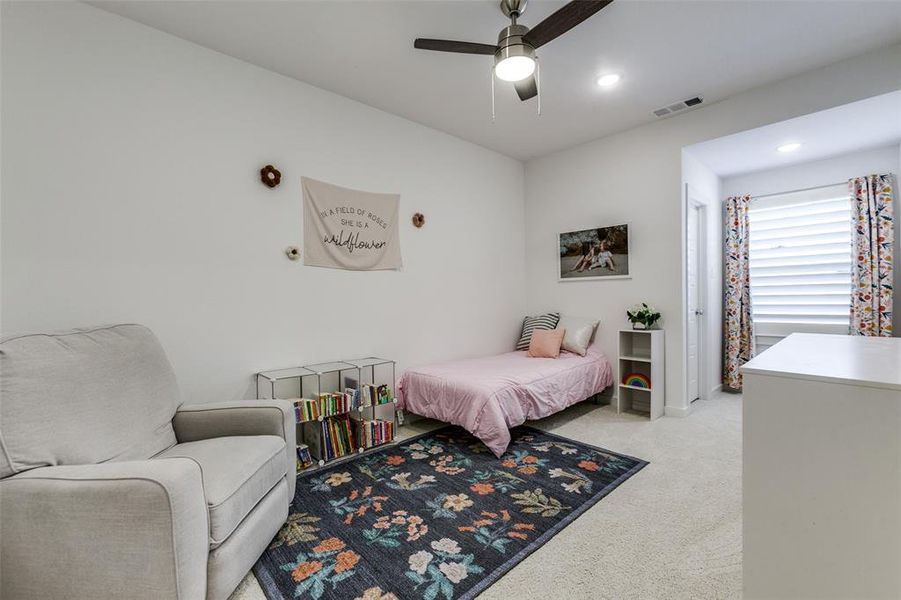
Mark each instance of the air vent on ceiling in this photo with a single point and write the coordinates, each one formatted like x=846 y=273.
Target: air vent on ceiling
x=678 y=106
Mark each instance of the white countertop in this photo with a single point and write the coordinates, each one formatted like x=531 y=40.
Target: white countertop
x=854 y=360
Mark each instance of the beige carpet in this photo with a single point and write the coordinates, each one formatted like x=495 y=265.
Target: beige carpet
x=671 y=531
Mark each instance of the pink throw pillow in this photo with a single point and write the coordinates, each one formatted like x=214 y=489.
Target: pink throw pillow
x=546 y=343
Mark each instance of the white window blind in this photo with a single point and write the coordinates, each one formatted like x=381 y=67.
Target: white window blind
x=800 y=258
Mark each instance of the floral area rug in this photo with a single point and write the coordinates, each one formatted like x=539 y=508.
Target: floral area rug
x=433 y=517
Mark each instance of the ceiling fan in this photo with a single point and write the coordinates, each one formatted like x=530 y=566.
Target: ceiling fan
x=514 y=54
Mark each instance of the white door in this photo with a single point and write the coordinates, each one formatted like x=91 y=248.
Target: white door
x=694 y=249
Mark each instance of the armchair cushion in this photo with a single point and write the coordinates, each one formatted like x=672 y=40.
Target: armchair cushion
x=195 y=422
x=237 y=473
x=84 y=396
x=66 y=530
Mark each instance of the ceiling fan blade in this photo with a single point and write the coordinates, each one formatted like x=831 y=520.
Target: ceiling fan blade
x=527 y=88
x=452 y=46
x=562 y=21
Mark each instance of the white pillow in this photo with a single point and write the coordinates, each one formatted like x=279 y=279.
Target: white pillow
x=578 y=333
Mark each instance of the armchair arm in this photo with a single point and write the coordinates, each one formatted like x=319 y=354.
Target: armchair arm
x=112 y=530
x=194 y=422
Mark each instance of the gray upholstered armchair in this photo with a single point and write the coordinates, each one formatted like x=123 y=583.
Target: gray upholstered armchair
x=111 y=488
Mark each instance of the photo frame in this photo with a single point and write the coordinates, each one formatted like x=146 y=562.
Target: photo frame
x=593 y=254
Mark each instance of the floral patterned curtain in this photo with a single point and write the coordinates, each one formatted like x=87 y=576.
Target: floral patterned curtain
x=871 y=275
x=738 y=330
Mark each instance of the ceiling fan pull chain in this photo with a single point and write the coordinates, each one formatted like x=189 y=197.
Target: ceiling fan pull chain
x=491 y=76
x=538 y=82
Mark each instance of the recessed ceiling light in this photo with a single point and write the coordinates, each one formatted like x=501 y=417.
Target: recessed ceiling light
x=789 y=147
x=608 y=80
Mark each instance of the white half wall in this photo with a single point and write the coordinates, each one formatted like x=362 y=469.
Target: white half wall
x=636 y=176
x=131 y=193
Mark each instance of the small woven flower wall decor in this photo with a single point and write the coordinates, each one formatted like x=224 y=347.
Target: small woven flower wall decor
x=270 y=176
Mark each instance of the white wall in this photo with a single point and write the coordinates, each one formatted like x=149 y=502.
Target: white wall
x=817 y=173
x=636 y=176
x=131 y=193
x=826 y=172
x=705 y=186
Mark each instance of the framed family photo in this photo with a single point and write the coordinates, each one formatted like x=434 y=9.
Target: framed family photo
x=598 y=253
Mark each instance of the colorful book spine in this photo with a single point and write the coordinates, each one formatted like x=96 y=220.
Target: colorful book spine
x=377 y=432
x=337 y=438
x=306 y=410
x=338 y=403
x=328 y=448
x=375 y=395
x=347 y=436
x=353 y=398
x=333 y=446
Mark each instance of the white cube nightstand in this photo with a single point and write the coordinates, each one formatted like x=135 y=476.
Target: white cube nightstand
x=641 y=351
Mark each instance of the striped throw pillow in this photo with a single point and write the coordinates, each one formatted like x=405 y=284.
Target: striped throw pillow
x=530 y=324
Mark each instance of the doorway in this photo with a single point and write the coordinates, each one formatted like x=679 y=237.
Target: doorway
x=696 y=281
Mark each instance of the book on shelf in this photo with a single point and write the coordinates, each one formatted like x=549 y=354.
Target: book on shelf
x=304 y=458
x=306 y=409
x=376 y=432
x=337 y=438
x=368 y=393
x=383 y=395
x=327 y=405
x=374 y=395
x=356 y=398
x=337 y=403
x=331 y=404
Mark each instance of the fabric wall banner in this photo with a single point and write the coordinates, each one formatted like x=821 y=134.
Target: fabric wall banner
x=349 y=229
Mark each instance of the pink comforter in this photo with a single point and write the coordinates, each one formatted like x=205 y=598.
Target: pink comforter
x=487 y=396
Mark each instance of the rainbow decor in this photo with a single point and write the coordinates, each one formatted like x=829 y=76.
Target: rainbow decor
x=639 y=380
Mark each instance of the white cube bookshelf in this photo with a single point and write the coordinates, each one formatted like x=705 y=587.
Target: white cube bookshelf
x=640 y=351
x=334 y=376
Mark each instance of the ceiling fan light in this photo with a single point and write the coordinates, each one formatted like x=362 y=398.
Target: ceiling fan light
x=515 y=68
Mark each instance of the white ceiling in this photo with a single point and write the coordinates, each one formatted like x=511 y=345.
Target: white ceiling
x=666 y=51
x=869 y=123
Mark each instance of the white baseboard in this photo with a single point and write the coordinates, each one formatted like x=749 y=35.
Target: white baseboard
x=677 y=411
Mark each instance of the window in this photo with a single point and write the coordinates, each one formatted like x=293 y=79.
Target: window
x=800 y=258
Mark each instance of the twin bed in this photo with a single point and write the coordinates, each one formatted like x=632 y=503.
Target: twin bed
x=489 y=395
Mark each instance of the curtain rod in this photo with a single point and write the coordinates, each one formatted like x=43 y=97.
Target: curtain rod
x=816 y=187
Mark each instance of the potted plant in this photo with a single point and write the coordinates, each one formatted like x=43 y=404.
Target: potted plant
x=643 y=316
